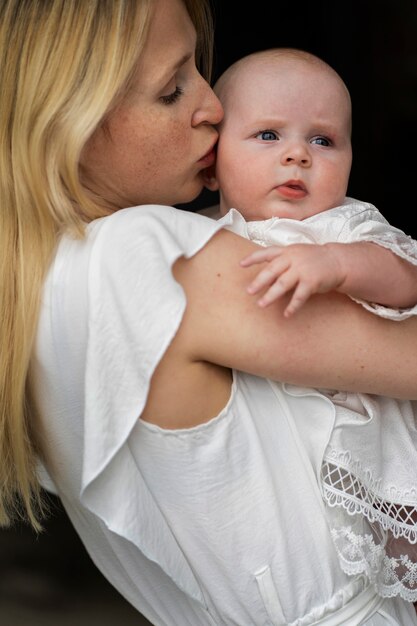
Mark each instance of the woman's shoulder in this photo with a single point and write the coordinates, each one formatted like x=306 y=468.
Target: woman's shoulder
x=125 y=260
x=153 y=216
x=175 y=232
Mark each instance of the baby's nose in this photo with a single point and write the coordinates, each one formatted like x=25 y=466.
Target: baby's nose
x=297 y=154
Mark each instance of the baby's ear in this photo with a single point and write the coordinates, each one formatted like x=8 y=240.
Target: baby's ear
x=209 y=178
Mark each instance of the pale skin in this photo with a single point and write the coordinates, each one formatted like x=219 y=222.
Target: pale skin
x=285 y=151
x=326 y=345
x=363 y=270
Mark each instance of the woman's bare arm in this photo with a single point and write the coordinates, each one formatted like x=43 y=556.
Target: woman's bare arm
x=332 y=342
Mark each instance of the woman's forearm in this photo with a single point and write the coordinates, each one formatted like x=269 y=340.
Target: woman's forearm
x=332 y=342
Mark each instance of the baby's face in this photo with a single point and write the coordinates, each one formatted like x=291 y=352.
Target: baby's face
x=284 y=147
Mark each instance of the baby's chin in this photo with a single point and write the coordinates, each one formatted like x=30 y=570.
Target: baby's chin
x=293 y=210
x=284 y=209
x=278 y=210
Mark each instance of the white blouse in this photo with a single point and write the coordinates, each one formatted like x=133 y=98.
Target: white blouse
x=223 y=523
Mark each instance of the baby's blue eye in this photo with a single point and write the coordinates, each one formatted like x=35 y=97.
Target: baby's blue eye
x=172 y=97
x=267 y=135
x=321 y=141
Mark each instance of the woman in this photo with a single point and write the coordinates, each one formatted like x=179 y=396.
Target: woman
x=186 y=478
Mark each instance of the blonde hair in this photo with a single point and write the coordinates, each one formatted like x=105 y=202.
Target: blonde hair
x=63 y=65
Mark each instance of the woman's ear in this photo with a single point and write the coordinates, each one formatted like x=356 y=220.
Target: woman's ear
x=209 y=178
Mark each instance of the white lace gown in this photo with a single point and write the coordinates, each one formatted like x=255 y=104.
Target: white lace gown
x=369 y=465
x=222 y=524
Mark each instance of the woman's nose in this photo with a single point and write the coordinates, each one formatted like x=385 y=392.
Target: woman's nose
x=296 y=154
x=210 y=110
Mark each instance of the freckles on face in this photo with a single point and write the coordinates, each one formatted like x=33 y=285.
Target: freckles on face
x=136 y=158
x=160 y=157
x=155 y=141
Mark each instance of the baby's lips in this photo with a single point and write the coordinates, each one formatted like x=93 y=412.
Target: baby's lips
x=293 y=189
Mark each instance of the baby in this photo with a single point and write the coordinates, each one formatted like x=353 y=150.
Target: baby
x=283 y=163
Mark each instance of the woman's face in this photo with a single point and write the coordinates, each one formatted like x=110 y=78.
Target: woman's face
x=160 y=137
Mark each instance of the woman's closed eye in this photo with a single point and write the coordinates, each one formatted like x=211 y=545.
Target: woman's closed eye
x=171 y=98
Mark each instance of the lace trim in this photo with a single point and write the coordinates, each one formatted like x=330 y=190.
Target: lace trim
x=392 y=576
x=357 y=492
x=387 y=554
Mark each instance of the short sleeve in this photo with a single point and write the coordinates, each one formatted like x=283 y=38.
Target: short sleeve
x=134 y=310
x=135 y=307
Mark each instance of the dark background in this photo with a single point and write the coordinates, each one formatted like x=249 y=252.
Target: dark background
x=373 y=45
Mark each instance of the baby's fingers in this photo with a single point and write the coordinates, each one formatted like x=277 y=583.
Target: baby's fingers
x=260 y=256
x=300 y=296
x=269 y=275
x=276 y=290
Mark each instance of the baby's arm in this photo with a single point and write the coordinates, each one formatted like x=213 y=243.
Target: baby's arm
x=362 y=270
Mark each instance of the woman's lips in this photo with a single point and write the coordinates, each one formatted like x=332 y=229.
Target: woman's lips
x=292 y=189
x=208 y=159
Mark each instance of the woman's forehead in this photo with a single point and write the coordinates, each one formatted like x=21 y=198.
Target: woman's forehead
x=171 y=39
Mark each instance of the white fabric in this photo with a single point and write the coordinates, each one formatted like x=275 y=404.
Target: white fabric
x=222 y=524
x=352 y=221
x=370 y=464
x=356 y=611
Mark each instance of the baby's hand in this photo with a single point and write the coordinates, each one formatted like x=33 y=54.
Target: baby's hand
x=303 y=268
